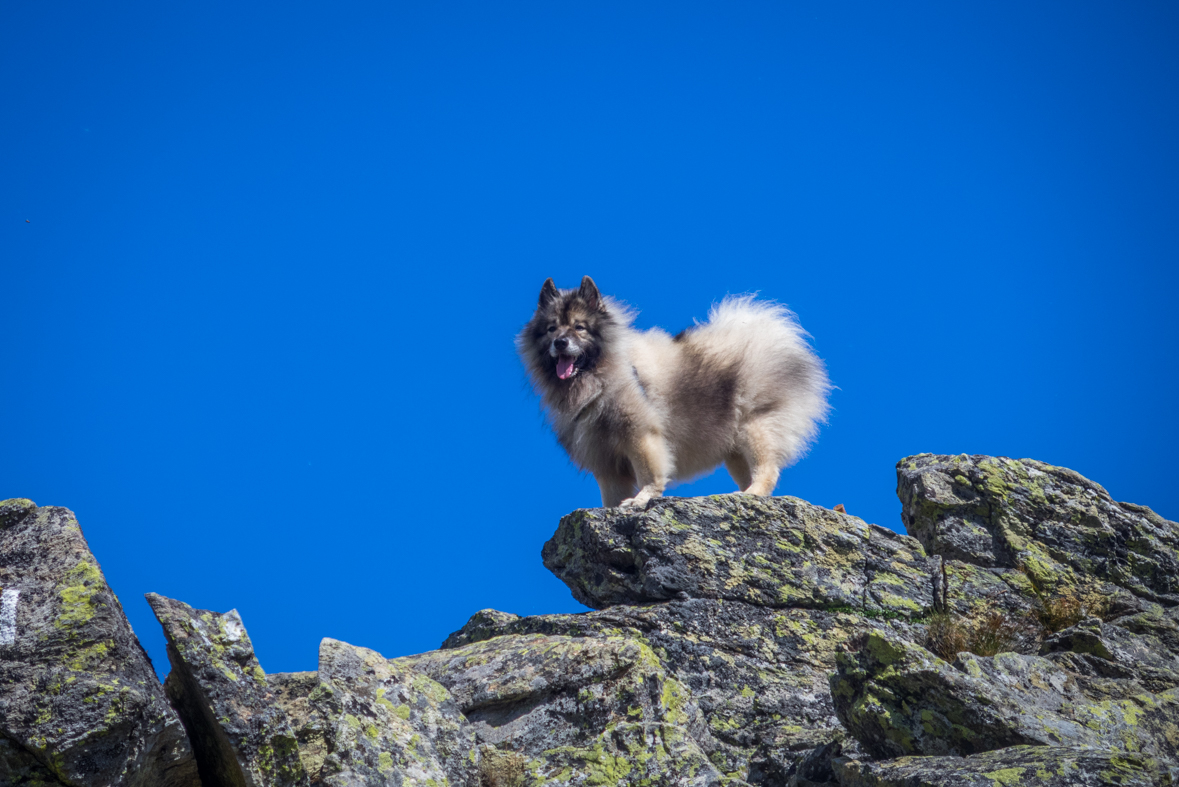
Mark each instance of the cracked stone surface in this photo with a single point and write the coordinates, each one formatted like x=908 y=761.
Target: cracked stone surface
x=80 y=703
x=240 y=734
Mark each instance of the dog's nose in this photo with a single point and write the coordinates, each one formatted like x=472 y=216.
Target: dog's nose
x=561 y=343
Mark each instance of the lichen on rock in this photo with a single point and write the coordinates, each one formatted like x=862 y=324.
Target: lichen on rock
x=240 y=733
x=777 y=552
x=734 y=641
x=80 y=704
x=602 y=709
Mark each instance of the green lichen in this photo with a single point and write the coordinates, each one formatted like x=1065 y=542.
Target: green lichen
x=88 y=658
x=76 y=591
x=1005 y=777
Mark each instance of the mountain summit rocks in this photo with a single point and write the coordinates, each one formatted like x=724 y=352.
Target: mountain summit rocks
x=733 y=640
x=80 y=704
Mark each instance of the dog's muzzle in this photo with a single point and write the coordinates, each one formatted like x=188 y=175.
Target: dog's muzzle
x=566 y=352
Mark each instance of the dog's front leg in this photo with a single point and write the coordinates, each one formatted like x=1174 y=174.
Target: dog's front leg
x=651 y=460
x=614 y=489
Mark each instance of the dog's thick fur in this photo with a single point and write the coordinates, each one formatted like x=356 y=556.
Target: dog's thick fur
x=641 y=408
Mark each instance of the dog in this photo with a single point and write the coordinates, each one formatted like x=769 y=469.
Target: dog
x=639 y=409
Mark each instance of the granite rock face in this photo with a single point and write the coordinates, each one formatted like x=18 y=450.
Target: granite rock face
x=240 y=734
x=80 y=704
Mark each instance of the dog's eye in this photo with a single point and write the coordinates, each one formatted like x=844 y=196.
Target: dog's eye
x=552 y=328
x=579 y=327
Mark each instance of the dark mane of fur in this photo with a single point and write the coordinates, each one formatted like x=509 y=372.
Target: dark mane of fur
x=605 y=323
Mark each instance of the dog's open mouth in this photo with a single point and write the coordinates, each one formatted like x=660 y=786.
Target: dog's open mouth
x=566 y=366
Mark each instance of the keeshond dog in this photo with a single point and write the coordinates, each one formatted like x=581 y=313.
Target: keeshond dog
x=639 y=409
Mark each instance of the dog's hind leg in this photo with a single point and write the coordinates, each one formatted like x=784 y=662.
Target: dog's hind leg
x=651 y=460
x=760 y=448
x=614 y=489
x=739 y=469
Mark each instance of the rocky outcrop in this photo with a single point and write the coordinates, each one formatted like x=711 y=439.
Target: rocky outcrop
x=898 y=699
x=240 y=734
x=1051 y=523
x=778 y=552
x=362 y=719
x=1026 y=631
x=573 y=709
x=758 y=676
x=80 y=704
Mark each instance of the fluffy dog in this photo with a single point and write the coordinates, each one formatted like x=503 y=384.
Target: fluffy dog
x=639 y=409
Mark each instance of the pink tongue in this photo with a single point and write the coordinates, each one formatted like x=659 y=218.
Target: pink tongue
x=565 y=366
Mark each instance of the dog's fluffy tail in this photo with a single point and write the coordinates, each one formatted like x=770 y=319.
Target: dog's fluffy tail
x=783 y=382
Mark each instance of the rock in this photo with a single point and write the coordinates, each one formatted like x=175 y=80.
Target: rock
x=420 y=732
x=239 y=732
x=1105 y=650
x=80 y=705
x=734 y=641
x=292 y=691
x=1035 y=766
x=758 y=675
x=1050 y=522
x=898 y=699
x=769 y=552
x=365 y=720
x=574 y=710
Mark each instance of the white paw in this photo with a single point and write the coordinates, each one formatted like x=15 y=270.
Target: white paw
x=637 y=503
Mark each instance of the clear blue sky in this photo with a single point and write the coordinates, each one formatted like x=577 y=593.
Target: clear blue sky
x=263 y=264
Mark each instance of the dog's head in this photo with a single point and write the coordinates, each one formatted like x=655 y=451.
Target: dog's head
x=566 y=336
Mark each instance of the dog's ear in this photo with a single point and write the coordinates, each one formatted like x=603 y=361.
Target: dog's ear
x=548 y=293
x=588 y=292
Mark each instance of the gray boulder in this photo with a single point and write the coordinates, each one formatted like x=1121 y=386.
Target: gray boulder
x=1051 y=522
x=769 y=552
x=1098 y=649
x=240 y=734
x=758 y=675
x=80 y=703
x=898 y=699
x=365 y=720
x=574 y=710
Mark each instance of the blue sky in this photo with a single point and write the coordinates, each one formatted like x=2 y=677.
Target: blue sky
x=263 y=265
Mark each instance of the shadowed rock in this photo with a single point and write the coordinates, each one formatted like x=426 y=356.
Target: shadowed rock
x=80 y=702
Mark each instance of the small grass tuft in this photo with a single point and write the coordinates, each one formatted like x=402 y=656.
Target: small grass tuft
x=1070 y=606
x=984 y=633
